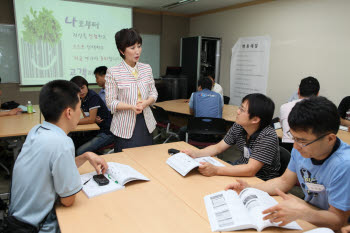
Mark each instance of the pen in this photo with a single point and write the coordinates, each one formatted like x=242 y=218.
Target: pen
x=87 y=181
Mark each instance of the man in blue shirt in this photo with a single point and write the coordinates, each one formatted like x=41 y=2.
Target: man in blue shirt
x=204 y=102
x=100 y=74
x=46 y=168
x=95 y=110
x=320 y=162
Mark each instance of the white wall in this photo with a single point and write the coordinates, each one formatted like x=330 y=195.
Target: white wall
x=309 y=38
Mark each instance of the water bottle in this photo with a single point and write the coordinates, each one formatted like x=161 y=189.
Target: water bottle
x=29 y=107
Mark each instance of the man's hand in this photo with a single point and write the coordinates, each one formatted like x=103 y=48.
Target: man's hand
x=191 y=153
x=98 y=119
x=345 y=229
x=237 y=186
x=97 y=162
x=290 y=209
x=14 y=111
x=207 y=169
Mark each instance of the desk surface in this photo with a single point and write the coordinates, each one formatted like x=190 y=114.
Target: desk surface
x=18 y=125
x=181 y=106
x=343 y=135
x=167 y=203
x=192 y=188
x=140 y=207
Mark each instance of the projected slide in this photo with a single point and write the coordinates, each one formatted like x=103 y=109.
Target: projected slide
x=61 y=39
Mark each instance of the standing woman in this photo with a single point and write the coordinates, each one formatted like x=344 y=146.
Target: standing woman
x=130 y=90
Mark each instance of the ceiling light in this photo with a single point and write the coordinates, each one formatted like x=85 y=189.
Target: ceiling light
x=179 y=3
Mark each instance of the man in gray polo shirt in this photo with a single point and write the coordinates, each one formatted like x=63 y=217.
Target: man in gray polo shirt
x=46 y=168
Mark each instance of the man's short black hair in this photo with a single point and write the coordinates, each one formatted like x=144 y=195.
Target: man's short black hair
x=101 y=70
x=205 y=83
x=210 y=73
x=80 y=81
x=260 y=106
x=317 y=114
x=309 y=86
x=125 y=38
x=55 y=96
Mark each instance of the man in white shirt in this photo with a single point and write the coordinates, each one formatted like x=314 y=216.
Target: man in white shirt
x=216 y=87
x=308 y=87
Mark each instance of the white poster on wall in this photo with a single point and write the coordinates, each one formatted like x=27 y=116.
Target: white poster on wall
x=249 y=67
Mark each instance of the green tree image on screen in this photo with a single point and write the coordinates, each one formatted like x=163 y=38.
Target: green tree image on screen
x=41 y=45
x=42 y=27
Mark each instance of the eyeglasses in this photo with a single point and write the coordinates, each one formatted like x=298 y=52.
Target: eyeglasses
x=303 y=144
x=241 y=109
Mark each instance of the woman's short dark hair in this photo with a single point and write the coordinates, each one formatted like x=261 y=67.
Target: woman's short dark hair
x=101 y=70
x=317 y=114
x=261 y=106
x=56 y=96
x=205 y=83
x=125 y=38
x=80 y=81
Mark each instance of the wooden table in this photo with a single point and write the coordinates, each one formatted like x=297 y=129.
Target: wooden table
x=142 y=207
x=18 y=125
x=181 y=106
x=192 y=188
x=168 y=203
x=343 y=135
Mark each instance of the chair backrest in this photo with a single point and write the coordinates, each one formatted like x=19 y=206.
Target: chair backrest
x=206 y=125
x=160 y=114
x=284 y=159
x=226 y=99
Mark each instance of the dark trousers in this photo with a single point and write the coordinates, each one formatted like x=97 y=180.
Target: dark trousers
x=140 y=136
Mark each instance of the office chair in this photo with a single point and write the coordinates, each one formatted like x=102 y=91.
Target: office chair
x=226 y=99
x=284 y=159
x=205 y=131
x=163 y=123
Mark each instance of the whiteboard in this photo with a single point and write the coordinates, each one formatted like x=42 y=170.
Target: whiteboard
x=151 y=52
x=8 y=54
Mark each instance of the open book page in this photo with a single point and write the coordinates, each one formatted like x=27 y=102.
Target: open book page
x=124 y=173
x=256 y=201
x=226 y=212
x=92 y=189
x=183 y=163
x=209 y=160
x=344 y=128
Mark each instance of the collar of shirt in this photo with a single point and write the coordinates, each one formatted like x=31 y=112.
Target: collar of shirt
x=131 y=69
x=252 y=137
x=335 y=147
x=102 y=90
x=86 y=97
x=55 y=128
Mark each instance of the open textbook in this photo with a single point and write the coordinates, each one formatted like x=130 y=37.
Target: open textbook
x=183 y=164
x=228 y=211
x=117 y=174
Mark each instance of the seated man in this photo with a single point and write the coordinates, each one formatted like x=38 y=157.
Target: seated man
x=216 y=87
x=100 y=73
x=93 y=107
x=344 y=111
x=253 y=136
x=308 y=87
x=46 y=169
x=320 y=162
x=204 y=102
